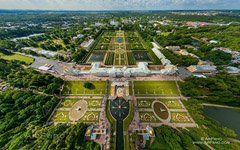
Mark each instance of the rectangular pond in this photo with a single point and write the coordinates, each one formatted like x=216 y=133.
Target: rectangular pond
x=227 y=117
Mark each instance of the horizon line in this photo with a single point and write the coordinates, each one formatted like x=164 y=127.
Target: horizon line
x=92 y=10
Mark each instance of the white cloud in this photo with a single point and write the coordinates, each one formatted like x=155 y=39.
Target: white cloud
x=117 y=4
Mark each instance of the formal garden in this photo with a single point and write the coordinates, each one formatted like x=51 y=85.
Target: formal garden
x=81 y=109
x=78 y=88
x=159 y=112
x=148 y=117
x=92 y=103
x=120 y=48
x=180 y=117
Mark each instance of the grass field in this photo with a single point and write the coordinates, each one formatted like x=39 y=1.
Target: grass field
x=26 y=59
x=77 y=88
x=162 y=88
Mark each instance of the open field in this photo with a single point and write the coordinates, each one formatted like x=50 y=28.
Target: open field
x=26 y=59
x=161 y=88
x=77 y=88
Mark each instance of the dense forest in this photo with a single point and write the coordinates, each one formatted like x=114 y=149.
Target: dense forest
x=221 y=89
x=224 y=17
x=13 y=73
x=217 y=57
x=181 y=36
x=24 y=110
x=179 y=60
x=173 y=39
x=22 y=124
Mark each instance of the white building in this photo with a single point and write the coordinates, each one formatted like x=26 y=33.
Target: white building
x=78 y=36
x=233 y=70
x=202 y=69
x=141 y=70
x=87 y=44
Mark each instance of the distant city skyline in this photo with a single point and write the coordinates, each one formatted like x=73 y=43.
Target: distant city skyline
x=119 y=4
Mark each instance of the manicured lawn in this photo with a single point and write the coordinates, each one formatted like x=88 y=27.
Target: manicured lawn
x=26 y=59
x=77 y=88
x=90 y=116
x=148 y=117
x=94 y=103
x=172 y=103
x=127 y=121
x=180 y=117
x=130 y=88
x=68 y=103
x=113 y=126
x=145 y=103
x=61 y=116
x=163 y=88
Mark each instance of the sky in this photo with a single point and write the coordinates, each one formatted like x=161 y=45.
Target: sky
x=119 y=4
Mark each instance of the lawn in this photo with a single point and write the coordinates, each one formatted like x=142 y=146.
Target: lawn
x=127 y=121
x=94 y=103
x=61 y=116
x=26 y=59
x=77 y=88
x=90 y=116
x=148 y=117
x=161 y=88
x=172 y=103
x=113 y=125
x=68 y=103
x=145 y=103
x=180 y=117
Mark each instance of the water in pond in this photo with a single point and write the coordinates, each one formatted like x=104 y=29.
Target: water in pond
x=120 y=39
x=119 y=109
x=228 y=117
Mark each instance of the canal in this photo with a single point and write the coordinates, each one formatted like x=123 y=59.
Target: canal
x=119 y=109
